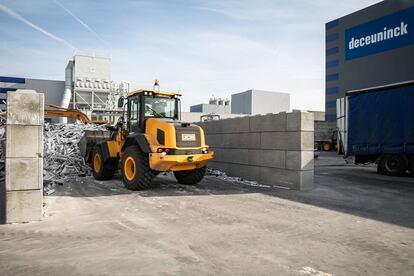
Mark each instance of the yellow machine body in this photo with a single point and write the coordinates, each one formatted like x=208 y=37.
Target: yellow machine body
x=158 y=161
x=150 y=140
x=192 y=158
x=176 y=162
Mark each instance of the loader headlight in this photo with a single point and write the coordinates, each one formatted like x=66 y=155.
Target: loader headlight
x=204 y=150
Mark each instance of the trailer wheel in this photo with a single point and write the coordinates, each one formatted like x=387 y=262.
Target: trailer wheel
x=135 y=168
x=411 y=165
x=190 y=177
x=392 y=164
x=101 y=170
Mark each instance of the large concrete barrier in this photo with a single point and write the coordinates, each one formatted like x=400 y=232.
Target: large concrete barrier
x=274 y=149
x=24 y=156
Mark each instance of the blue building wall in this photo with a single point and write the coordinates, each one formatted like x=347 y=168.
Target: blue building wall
x=196 y=108
x=351 y=63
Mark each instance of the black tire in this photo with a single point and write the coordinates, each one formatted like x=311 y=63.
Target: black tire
x=392 y=164
x=101 y=170
x=411 y=165
x=190 y=177
x=135 y=169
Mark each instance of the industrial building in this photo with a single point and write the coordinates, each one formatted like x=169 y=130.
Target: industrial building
x=88 y=87
x=250 y=102
x=254 y=102
x=215 y=106
x=369 y=48
x=52 y=89
x=219 y=107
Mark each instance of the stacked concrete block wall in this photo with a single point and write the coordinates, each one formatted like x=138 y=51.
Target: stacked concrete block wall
x=24 y=156
x=273 y=149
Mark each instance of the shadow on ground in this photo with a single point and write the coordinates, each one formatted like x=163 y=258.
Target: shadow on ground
x=345 y=188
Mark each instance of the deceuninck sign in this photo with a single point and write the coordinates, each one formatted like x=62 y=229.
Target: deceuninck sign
x=386 y=33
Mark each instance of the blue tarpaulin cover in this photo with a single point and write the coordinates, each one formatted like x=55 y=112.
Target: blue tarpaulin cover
x=381 y=121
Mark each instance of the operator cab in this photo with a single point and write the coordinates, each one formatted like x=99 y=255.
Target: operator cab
x=145 y=104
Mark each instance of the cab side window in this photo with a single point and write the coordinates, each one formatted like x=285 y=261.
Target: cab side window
x=133 y=114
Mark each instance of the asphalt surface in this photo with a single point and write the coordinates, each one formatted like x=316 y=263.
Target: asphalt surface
x=355 y=222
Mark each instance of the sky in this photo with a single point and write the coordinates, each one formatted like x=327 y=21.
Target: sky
x=199 y=48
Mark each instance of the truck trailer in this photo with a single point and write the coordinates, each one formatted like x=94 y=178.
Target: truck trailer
x=376 y=125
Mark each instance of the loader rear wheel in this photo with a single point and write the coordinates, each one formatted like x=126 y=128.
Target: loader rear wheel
x=392 y=164
x=136 y=172
x=101 y=170
x=190 y=177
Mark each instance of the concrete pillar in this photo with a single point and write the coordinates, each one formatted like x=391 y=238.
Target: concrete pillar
x=24 y=156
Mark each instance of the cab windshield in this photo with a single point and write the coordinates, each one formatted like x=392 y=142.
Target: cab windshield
x=157 y=107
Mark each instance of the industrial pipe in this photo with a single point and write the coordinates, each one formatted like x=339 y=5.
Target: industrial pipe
x=67 y=95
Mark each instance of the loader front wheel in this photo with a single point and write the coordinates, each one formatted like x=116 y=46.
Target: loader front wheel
x=190 y=177
x=136 y=172
x=101 y=170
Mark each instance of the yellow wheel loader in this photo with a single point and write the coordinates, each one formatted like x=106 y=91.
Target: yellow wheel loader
x=149 y=139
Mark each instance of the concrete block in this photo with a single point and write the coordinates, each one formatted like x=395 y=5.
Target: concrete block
x=299 y=140
x=299 y=160
x=267 y=158
x=25 y=107
x=24 y=173
x=209 y=127
x=235 y=125
x=217 y=165
x=214 y=140
x=306 y=182
x=274 y=140
x=24 y=206
x=307 y=140
x=24 y=141
x=246 y=172
x=221 y=166
x=292 y=179
x=237 y=170
x=270 y=122
x=297 y=121
x=242 y=140
x=237 y=156
x=234 y=140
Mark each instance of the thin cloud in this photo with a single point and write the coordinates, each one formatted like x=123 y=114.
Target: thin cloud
x=246 y=11
x=80 y=21
x=34 y=26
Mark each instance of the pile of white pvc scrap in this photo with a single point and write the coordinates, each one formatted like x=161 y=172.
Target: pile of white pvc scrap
x=62 y=158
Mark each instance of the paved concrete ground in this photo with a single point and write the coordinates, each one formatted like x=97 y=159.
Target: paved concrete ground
x=354 y=222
